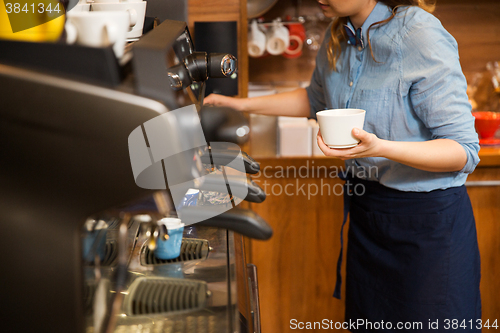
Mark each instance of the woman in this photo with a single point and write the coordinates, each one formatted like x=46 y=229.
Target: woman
x=413 y=255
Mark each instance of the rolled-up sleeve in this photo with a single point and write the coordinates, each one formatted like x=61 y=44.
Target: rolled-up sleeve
x=315 y=93
x=437 y=90
x=315 y=90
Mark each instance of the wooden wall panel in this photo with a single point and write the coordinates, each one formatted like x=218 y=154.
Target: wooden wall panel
x=213 y=10
x=475 y=24
x=476 y=27
x=225 y=10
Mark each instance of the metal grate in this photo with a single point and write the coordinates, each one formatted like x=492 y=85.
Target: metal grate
x=114 y=223
x=191 y=249
x=160 y=295
x=111 y=254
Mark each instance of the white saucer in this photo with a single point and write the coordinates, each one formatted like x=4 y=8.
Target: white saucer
x=343 y=146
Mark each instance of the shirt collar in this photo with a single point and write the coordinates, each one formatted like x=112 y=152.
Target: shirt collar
x=379 y=13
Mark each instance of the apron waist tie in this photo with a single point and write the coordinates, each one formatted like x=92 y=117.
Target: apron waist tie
x=347 y=205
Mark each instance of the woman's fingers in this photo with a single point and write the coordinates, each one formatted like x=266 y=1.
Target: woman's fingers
x=211 y=99
x=363 y=149
x=221 y=100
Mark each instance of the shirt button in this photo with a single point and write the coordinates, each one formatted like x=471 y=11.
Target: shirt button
x=350 y=84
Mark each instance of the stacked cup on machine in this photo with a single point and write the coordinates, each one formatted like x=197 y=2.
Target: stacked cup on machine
x=81 y=6
x=97 y=29
x=105 y=22
x=136 y=10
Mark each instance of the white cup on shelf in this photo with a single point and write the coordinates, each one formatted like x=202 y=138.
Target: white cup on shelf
x=256 y=41
x=278 y=38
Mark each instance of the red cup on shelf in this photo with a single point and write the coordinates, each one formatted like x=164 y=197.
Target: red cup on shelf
x=297 y=38
x=487 y=123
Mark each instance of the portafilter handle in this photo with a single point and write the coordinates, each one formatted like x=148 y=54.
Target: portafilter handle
x=243 y=221
x=222 y=157
x=237 y=184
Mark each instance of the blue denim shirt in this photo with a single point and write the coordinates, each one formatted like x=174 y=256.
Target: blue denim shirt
x=414 y=90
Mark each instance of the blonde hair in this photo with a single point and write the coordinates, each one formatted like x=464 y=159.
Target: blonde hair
x=338 y=34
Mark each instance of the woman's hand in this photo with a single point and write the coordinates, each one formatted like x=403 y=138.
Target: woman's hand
x=221 y=100
x=291 y=103
x=369 y=146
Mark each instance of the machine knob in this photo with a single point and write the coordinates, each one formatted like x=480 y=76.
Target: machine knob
x=221 y=65
x=175 y=81
x=178 y=77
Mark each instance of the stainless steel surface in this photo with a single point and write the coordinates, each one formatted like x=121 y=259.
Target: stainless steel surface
x=228 y=65
x=175 y=80
x=256 y=8
x=65 y=157
x=216 y=271
x=254 y=296
x=164 y=46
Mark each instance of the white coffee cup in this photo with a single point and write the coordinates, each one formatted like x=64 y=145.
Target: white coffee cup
x=105 y=1
x=96 y=29
x=336 y=126
x=256 y=40
x=135 y=10
x=80 y=7
x=278 y=39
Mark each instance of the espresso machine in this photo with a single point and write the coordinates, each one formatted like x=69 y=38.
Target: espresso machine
x=94 y=154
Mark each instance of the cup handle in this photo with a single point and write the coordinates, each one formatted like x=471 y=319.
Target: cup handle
x=112 y=32
x=132 y=16
x=71 y=33
x=254 y=27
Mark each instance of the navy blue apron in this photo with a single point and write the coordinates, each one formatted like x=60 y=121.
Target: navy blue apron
x=412 y=257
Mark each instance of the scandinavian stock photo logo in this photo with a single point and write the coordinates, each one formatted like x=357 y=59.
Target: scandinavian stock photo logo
x=165 y=155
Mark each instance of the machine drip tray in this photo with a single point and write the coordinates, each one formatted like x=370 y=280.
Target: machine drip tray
x=155 y=295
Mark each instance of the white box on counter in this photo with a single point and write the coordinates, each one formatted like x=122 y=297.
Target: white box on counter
x=294 y=137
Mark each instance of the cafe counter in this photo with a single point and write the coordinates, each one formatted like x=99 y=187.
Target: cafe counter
x=297 y=266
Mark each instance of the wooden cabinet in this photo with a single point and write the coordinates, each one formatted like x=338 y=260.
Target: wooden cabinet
x=225 y=10
x=297 y=267
x=484 y=192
